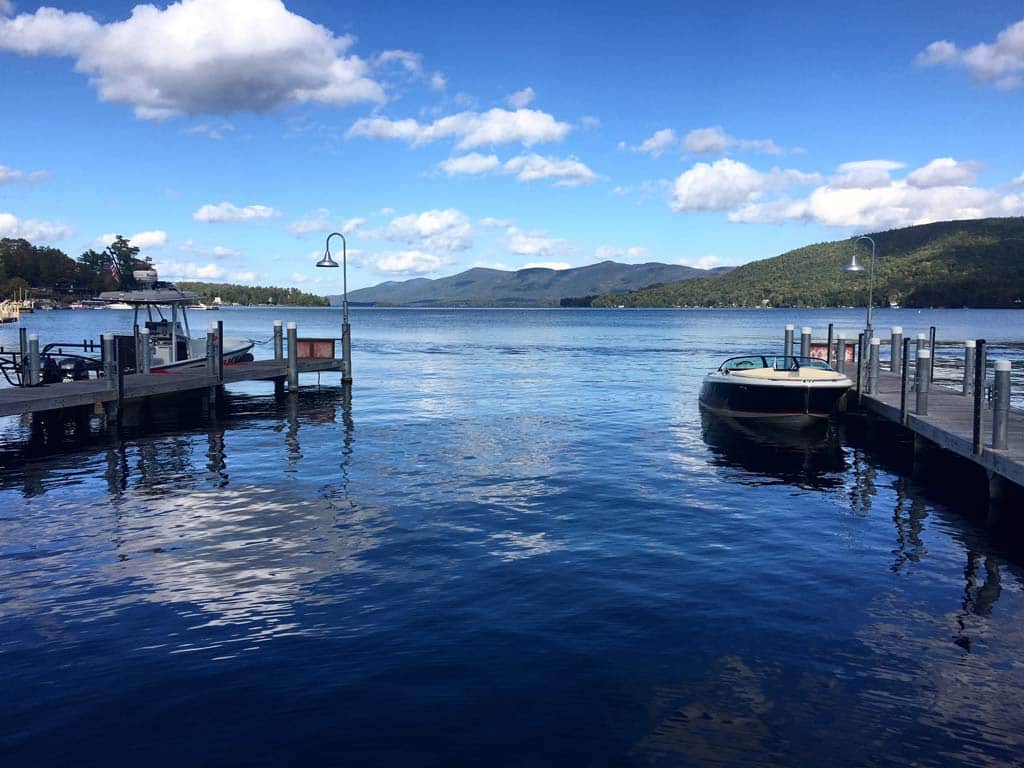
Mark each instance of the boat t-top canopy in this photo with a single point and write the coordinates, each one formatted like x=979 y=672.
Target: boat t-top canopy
x=169 y=296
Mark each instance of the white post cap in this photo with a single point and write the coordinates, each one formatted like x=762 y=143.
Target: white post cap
x=897 y=330
x=143 y=331
x=805 y=331
x=875 y=341
x=921 y=337
x=789 y=326
x=108 y=336
x=970 y=343
x=213 y=327
x=924 y=353
x=292 y=326
x=33 y=337
x=277 y=323
x=1002 y=365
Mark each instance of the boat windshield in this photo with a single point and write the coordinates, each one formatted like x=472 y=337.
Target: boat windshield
x=777 y=362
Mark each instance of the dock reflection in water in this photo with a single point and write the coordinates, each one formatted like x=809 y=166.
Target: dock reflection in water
x=766 y=453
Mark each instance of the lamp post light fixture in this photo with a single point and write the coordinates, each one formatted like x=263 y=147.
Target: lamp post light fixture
x=853 y=266
x=346 y=335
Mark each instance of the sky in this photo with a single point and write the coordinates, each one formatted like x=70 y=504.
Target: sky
x=227 y=138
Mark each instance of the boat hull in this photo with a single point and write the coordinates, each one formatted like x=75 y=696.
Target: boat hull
x=795 y=403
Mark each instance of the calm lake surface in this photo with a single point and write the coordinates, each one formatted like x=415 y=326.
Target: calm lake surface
x=514 y=543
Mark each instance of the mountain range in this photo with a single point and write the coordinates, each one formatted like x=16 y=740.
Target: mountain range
x=535 y=287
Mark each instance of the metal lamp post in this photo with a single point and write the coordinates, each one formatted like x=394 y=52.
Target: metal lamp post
x=853 y=266
x=346 y=334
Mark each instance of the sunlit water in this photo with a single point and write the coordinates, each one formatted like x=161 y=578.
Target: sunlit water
x=515 y=543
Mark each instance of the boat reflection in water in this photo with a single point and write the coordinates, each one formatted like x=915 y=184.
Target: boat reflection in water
x=810 y=458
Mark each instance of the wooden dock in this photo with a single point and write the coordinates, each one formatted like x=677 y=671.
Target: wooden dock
x=138 y=387
x=949 y=424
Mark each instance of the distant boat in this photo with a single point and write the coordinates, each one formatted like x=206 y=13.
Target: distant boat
x=202 y=307
x=118 y=305
x=90 y=304
x=894 y=305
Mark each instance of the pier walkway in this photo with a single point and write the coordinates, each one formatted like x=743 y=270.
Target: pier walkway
x=137 y=387
x=950 y=425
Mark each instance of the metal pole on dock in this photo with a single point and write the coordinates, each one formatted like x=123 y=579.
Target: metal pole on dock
x=931 y=347
x=904 y=373
x=109 y=360
x=968 y=366
x=860 y=363
x=211 y=350
x=293 y=358
x=922 y=380
x=278 y=341
x=220 y=350
x=979 y=395
x=841 y=352
x=787 y=340
x=805 y=341
x=895 y=345
x=146 y=361
x=1001 y=405
x=34 y=363
x=873 y=365
x=828 y=346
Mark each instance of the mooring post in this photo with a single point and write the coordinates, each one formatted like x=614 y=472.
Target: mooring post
x=968 y=367
x=109 y=360
x=346 y=350
x=787 y=341
x=860 y=363
x=146 y=361
x=220 y=351
x=293 y=358
x=828 y=346
x=874 y=365
x=979 y=394
x=895 y=347
x=931 y=348
x=805 y=342
x=211 y=351
x=841 y=352
x=278 y=341
x=35 y=365
x=904 y=374
x=922 y=380
x=1001 y=405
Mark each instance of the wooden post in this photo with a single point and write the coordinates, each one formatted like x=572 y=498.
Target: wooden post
x=35 y=365
x=828 y=346
x=146 y=361
x=860 y=362
x=220 y=351
x=787 y=340
x=112 y=374
x=346 y=353
x=895 y=347
x=841 y=352
x=979 y=394
x=278 y=341
x=1001 y=405
x=968 y=367
x=874 y=365
x=805 y=342
x=922 y=380
x=211 y=351
x=931 y=348
x=293 y=358
x=904 y=373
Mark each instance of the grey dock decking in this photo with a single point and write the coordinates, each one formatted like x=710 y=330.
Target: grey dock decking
x=949 y=424
x=138 y=386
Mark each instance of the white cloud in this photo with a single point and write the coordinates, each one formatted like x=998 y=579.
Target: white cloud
x=350 y=226
x=622 y=191
x=226 y=211
x=6 y=8
x=569 y=172
x=33 y=230
x=703 y=262
x=472 y=129
x=142 y=240
x=632 y=254
x=727 y=183
x=714 y=140
x=656 y=144
x=438 y=81
x=535 y=243
x=412 y=262
x=944 y=172
x=14 y=176
x=590 y=122
x=213 y=131
x=200 y=57
x=298 y=277
x=221 y=252
x=493 y=223
x=1019 y=179
x=446 y=232
x=521 y=99
x=473 y=163
x=314 y=221
x=408 y=60
x=864 y=174
x=243 y=277
x=556 y=265
x=1000 y=63
x=189 y=270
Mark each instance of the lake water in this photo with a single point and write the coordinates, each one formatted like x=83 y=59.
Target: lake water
x=514 y=542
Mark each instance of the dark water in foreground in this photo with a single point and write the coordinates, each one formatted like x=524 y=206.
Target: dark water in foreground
x=515 y=543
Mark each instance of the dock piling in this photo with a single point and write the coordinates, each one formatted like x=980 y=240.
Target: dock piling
x=293 y=358
x=278 y=341
x=979 y=394
x=787 y=342
x=211 y=351
x=931 y=348
x=895 y=345
x=34 y=361
x=841 y=352
x=968 y=367
x=805 y=341
x=874 y=365
x=922 y=380
x=146 y=360
x=109 y=360
x=904 y=374
x=828 y=345
x=1001 y=405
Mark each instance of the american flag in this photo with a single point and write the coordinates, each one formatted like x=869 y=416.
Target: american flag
x=115 y=271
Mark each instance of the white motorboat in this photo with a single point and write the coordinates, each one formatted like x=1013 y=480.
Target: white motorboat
x=784 y=389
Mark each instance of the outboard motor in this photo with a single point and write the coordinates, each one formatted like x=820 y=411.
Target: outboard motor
x=73 y=369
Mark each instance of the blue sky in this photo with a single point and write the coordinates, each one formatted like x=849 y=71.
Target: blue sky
x=228 y=137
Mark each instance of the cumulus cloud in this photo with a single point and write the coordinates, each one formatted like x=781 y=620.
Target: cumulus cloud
x=314 y=221
x=6 y=8
x=438 y=81
x=14 y=176
x=569 y=172
x=944 y=172
x=864 y=174
x=939 y=191
x=657 y=143
x=349 y=226
x=1000 y=63
x=189 y=270
x=535 y=243
x=492 y=223
x=556 y=265
x=521 y=99
x=412 y=262
x=151 y=239
x=727 y=183
x=1019 y=179
x=715 y=141
x=185 y=58
x=634 y=253
x=33 y=230
x=445 y=232
x=471 y=129
x=226 y=211
x=213 y=131
x=474 y=163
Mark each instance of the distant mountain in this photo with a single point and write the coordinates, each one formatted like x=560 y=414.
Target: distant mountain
x=973 y=263
x=537 y=287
